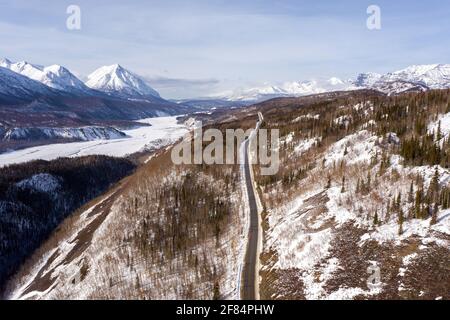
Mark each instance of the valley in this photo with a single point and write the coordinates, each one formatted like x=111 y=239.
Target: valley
x=93 y=206
x=154 y=133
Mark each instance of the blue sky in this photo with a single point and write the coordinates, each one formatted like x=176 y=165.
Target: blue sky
x=195 y=48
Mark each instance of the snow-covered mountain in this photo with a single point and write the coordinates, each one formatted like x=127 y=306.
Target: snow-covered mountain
x=53 y=96
x=434 y=76
x=294 y=88
x=116 y=80
x=413 y=78
x=54 y=76
x=16 y=86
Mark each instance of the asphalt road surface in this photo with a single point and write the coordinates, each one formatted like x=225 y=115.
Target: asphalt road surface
x=249 y=273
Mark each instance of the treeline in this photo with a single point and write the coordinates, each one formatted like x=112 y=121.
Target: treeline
x=28 y=215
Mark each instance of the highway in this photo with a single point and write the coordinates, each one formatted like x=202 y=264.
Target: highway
x=250 y=272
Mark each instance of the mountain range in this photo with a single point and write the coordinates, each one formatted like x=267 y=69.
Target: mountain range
x=112 y=80
x=412 y=78
x=34 y=95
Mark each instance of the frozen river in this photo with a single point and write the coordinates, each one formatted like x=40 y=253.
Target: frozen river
x=163 y=131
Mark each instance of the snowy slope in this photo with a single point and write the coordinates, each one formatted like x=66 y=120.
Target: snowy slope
x=117 y=80
x=302 y=232
x=83 y=134
x=14 y=85
x=54 y=76
x=434 y=76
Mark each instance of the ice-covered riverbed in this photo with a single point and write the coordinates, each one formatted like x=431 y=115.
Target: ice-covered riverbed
x=163 y=131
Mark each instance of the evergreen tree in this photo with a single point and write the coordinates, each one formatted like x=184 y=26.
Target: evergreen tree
x=411 y=193
x=439 y=132
x=434 y=214
x=433 y=190
x=216 y=291
x=328 y=185
x=388 y=209
x=400 y=222
x=399 y=201
x=418 y=204
x=343 y=184
x=375 y=218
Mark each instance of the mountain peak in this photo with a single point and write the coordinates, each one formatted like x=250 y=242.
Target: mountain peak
x=54 y=76
x=5 y=62
x=116 y=80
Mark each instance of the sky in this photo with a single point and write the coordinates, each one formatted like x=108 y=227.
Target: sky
x=195 y=48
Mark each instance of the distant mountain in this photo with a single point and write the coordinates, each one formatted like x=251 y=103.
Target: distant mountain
x=54 y=76
x=287 y=89
x=434 y=76
x=413 y=78
x=118 y=81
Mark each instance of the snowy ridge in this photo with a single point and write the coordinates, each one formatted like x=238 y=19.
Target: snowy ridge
x=434 y=76
x=16 y=85
x=82 y=134
x=54 y=76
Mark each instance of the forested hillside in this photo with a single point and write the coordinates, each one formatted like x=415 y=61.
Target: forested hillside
x=36 y=196
x=363 y=186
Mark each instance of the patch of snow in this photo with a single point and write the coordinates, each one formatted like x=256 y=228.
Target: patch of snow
x=305 y=145
x=42 y=182
x=308 y=116
x=361 y=148
x=388 y=232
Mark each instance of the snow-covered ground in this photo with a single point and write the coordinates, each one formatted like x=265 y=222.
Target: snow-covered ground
x=302 y=232
x=163 y=131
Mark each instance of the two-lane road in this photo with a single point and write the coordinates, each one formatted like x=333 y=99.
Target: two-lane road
x=250 y=272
